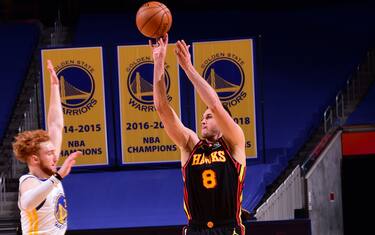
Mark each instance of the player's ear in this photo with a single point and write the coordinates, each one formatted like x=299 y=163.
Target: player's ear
x=34 y=159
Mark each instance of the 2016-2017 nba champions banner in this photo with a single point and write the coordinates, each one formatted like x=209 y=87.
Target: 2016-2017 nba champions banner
x=80 y=72
x=143 y=138
x=228 y=67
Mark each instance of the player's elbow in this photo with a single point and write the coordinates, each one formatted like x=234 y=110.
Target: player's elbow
x=56 y=125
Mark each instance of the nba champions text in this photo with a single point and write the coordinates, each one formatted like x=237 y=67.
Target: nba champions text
x=152 y=144
x=80 y=145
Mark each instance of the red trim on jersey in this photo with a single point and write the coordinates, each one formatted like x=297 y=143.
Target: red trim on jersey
x=242 y=227
x=222 y=142
x=186 y=198
x=240 y=191
x=238 y=167
x=186 y=202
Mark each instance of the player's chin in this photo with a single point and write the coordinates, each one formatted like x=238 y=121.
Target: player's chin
x=204 y=134
x=53 y=168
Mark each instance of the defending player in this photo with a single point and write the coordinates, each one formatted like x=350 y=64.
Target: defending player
x=41 y=195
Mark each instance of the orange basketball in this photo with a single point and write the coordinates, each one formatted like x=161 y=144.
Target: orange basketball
x=153 y=19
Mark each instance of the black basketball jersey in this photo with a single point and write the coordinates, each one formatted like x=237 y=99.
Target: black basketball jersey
x=213 y=183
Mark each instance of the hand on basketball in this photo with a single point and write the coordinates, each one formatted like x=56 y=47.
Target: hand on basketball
x=52 y=72
x=69 y=162
x=159 y=50
x=183 y=54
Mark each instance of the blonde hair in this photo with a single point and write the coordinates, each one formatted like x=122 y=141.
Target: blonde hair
x=27 y=143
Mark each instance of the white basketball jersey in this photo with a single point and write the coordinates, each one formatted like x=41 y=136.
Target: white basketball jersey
x=50 y=217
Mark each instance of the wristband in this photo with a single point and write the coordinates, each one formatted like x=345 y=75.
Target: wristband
x=58 y=176
x=55 y=181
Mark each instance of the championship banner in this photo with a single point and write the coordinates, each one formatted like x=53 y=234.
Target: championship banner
x=228 y=67
x=143 y=138
x=80 y=71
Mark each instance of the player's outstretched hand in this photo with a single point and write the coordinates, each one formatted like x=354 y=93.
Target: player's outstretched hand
x=159 y=50
x=183 y=54
x=69 y=162
x=52 y=72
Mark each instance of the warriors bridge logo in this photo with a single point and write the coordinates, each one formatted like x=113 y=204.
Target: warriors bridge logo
x=61 y=212
x=77 y=87
x=140 y=86
x=226 y=76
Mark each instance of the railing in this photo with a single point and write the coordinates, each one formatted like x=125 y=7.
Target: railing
x=287 y=197
x=328 y=119
x=350 y=96
x=30 y=121
x=58 y=35
x=2 y=191
x=339 y=104
x=30 y=116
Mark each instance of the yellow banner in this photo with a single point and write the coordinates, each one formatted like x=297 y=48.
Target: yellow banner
x=80 y=71
x=228 y=67
x=143 y=137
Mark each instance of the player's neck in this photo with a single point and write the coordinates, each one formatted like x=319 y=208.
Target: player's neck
x=213 y=139
x=38 y=172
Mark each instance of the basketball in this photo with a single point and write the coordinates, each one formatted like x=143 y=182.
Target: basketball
x=153 y=19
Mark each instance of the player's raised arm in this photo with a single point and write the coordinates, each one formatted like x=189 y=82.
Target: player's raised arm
x=231 y=131
x=55 y=118
x=181 y=136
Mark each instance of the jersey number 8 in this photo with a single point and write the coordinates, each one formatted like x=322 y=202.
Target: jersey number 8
x=209 y=179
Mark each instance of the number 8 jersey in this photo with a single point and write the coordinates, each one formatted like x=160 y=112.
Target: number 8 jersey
x=213 y=183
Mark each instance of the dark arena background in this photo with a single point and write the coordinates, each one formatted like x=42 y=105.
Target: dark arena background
x=312 y=72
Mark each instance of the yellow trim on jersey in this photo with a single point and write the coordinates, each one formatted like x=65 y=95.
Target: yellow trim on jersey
x=242 y=170
x=243 y=228
x=33 y=222
x=186 y=211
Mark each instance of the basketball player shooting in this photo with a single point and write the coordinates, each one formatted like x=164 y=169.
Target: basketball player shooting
x=41 y=195
x=213 y=167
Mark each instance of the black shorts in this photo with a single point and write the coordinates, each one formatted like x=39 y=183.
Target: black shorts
x=237 y=230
